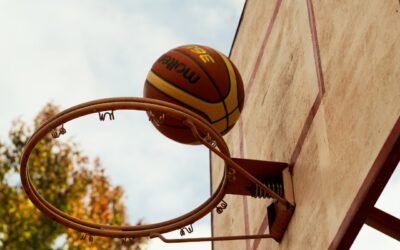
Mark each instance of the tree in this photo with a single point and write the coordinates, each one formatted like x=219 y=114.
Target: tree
x=68 y=180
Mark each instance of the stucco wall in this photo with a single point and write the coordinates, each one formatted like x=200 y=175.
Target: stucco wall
x=322 y=82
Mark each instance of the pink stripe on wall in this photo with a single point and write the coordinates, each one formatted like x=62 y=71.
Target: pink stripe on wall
x=314 y=107
x=248 y=91
x=306 y=127
x=321 y=86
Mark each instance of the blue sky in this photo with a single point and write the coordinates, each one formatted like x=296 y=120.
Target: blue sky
x=71 y=52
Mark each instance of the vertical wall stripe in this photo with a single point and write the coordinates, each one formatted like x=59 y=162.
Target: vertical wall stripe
x=247 y=92
x=321 y=85
x=314 y=107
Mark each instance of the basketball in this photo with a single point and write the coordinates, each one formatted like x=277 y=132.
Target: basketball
x=201 y=79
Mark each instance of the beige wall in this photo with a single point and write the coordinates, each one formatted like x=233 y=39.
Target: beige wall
x=345 y=106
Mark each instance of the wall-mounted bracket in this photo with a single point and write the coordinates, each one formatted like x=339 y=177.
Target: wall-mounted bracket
x=279 y=214
x=277 y=177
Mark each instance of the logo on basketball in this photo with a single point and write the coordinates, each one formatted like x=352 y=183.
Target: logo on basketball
x=173 y=64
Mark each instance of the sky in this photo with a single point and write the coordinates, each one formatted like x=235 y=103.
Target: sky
x=70 y=52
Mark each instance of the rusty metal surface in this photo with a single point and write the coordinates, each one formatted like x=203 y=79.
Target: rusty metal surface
x=221 y=238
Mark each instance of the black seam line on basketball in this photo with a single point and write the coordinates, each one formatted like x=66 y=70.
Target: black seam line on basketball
x=188 y=106
x=226 y=68
x=227 y=129
x=229 y=76
x=182 y=126
x=184 y=90
x=224 y=117
x=177 y=100
x=239 y=100
x=211 y=79
x=229 y=90
x=181 y=103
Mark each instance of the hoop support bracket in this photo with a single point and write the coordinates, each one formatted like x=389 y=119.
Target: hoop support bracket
x=277 y=177
x=202 y=239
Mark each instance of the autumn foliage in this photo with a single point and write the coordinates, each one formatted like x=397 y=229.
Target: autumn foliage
x=67 y=179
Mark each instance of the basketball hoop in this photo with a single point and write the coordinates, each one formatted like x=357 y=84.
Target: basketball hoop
x=237 y=171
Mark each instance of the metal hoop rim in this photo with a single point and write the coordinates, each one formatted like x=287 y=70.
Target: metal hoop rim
x=119 y=103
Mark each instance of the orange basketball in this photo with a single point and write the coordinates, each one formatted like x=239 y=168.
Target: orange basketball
x=201 y=79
